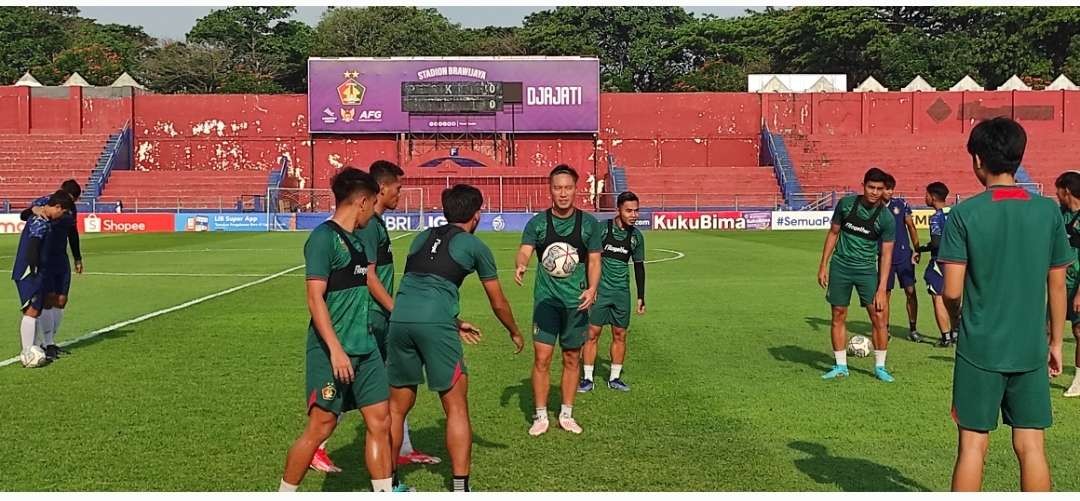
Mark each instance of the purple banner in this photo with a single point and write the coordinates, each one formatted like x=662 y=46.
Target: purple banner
x=363 y=95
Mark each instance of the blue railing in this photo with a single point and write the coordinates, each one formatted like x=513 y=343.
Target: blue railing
x=273 y=186
x=783 y=167
x=116 y=157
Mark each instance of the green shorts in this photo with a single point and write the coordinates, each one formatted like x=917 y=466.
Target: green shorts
x=379 y=326
x=842 y=279
x=1021 y=398
x=553 y=322
x=415 y=348
x=611 y=311
x=369 y=387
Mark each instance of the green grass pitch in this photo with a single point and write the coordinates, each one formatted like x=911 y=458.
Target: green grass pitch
x=724 y=368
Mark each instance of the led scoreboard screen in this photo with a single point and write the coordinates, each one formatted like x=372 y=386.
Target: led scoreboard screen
x=452 y=97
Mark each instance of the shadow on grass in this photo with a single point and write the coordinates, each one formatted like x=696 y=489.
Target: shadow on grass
x=857 y=327
x=813 y=359
x=524 y=393
x=850 y=474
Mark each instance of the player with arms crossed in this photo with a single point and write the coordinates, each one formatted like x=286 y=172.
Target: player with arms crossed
x=376 y=242
x=560 y=305
x=1068 y=192
x=904 y=258
x=850 y=260
x=1005 y=255
x=622 y=242
x=344 y=369
x=56 y=266
x=936 y=194
x=27 y=271
x=425 y=332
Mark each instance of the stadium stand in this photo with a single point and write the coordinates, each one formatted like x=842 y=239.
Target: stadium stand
x=33 y=165
x=196 y=189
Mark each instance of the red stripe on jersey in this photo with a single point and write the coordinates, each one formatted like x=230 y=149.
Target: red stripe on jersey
x=312 y=398
x=457 y=375
x=954 y=416
x=1010 y=193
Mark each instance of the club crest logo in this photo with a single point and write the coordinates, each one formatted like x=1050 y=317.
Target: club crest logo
x=329 y=392
x=351 y=92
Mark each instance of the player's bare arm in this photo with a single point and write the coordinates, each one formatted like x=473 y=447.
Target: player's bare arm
x=881 y=297
x=501 y=307
x=377 y=291
x=320 y=316
x=588 y=297
x=913 y=232
x=1057 y=300
x=522 y=262
x=954 y=289
x=826 y=254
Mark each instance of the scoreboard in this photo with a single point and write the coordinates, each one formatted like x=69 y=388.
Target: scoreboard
x=451 y=97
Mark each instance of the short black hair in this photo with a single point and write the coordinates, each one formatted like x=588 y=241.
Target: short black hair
x=563 y=169
x=999 y=143
x=938 y=190
x=71 y=187
x=626 y=196
x=63 y=199
x=890 y=181
x=875 y=175
x=385 y=171
x=350 y=182
x=1069 y=180
x=461 y=202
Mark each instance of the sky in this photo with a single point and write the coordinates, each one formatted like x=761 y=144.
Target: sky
x=174 y=22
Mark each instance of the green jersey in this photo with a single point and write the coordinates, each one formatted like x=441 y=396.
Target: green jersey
x=857 y=247
x=1072 y=227
x=580 y=230
x=439 y=259
x=619 y=248
x=1010 y=239
x=327 y=256
x=376 y=241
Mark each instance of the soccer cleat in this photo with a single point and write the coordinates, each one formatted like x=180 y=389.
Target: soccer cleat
x=52 y=352
x=539 y=427
x=838 y=371
x=567 y=423
x=883 y=374
x=585 y=386
x=402 y=487
x=417 y=457
x=915 y=337
x=321 y=462
x=1074 y=389
x=618 y=384
x=944 y=343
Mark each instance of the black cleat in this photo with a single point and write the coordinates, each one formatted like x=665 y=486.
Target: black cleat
x=52 y=352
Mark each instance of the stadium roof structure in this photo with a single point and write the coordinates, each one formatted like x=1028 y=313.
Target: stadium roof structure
x=126 y=80
x=76 y=80
x=966 y=83
x=871 y=85
x=1062 y=82
x=27 y=80
x=775 y=85
x=1014 y=83
x=822 y=85
x=918 y=84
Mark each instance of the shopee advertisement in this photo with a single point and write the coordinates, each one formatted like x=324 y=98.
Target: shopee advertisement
x=10 y=223
x=126 y=223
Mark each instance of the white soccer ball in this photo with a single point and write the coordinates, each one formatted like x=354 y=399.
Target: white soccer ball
x=33 y=357
x=860 y=346
x=560 y=260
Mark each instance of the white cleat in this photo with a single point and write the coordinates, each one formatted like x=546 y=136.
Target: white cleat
x=1074 y=390
x=567 y=423
x=539 y=427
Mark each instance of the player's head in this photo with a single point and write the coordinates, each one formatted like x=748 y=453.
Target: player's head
x=388 y=175
x=59 y=203
x=1068 y=187
x=936 y=192
x=355 y=189
x=563 y=185
x=462 y=204
x=890 y=185
x=996 y=147
x=874 y=184
x=72 y=188
x=628 y=205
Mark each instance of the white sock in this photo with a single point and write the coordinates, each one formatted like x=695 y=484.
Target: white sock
x=616 y=371
x=541 y=413
x=382 y=485
x=588 y=372
x=841 y=357
x=57 y=316
x=27 y=331
x=879 y=358
x=286 y=487
x=406 y=441
x=567 y=411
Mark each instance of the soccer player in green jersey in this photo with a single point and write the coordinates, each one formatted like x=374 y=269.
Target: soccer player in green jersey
x=560 y=305
x=1005 y=256
x=850 y=260
x=1068 y=192
x=622 y=243
x=344 y=370
x=425 y=331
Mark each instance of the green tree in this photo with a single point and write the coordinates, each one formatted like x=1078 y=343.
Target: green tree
x=385 y=32
x=261 y=40
x=97 y=64
x=29 y=38
x=177 y=68
x=492 y=41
